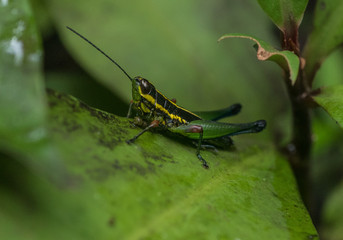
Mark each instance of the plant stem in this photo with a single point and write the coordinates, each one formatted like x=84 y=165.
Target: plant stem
x=301 y=144
x=299 y=150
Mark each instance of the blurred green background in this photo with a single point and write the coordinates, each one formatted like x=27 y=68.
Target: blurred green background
x=174 y=45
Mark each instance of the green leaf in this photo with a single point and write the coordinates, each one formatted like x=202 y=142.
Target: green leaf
x=156 y=188
x=331 y=71
x=284 y=13
x=22 y=95
x=22 y=103
x=38 y=209
x=285 y=59
x=326 y=36
x=331 y=99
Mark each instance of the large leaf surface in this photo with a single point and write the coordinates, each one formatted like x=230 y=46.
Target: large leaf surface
x=155 y=188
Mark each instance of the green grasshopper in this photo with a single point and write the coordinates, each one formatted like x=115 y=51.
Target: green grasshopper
x=153 y=110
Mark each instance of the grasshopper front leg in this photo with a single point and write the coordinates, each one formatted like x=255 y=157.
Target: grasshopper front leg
x=153 y=124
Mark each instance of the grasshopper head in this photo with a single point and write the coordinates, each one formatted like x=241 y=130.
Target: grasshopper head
x=140 y=87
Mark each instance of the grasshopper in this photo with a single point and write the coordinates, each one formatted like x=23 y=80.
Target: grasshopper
x=154 y=110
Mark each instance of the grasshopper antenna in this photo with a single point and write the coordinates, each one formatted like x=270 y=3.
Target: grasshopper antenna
x=78 y=34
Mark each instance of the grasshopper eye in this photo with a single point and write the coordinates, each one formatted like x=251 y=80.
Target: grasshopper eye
x=145 y=86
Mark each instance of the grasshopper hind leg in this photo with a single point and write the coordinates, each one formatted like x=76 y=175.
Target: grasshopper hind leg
x=199 y=129
x=202 y=160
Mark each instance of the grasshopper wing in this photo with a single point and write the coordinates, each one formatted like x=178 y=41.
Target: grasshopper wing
x=221 y=113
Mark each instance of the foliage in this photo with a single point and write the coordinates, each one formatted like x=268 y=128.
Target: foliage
x=331 y=100
x=119 y=192
x=66 y=171
x=285 y=59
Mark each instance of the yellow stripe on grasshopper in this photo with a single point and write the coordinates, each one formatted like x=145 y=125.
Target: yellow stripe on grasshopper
x=161 y=108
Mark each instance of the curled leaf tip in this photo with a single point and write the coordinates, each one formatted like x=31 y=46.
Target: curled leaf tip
x=264 y=51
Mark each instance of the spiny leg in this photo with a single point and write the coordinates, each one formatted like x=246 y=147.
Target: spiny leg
x=153 y=124
x=197 y=132
x=203 y=161
x=199 y=129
